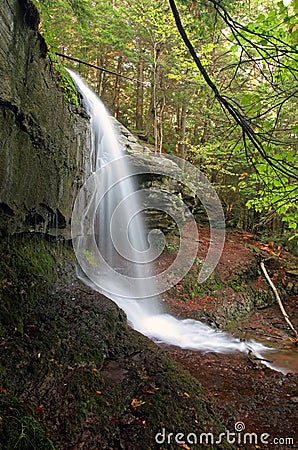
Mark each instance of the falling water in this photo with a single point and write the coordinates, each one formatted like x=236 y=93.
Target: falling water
x=144 y=312
x=123 y=243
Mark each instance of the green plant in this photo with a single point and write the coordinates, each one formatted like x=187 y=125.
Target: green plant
x=89 y=257
x=67 y=85
x=19 y=428
x=236 y=286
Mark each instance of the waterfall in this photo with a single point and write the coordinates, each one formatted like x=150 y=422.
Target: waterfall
x=118 y=227
x=122 y=245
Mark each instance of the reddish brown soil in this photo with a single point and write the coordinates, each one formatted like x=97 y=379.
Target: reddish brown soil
x=241 y=255
x=265 y=401
x=239 y=386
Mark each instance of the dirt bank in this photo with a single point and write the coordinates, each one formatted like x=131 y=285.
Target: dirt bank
x=244 y=392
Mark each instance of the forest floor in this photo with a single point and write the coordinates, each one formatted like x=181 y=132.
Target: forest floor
x=74 y=373
x=246 y=395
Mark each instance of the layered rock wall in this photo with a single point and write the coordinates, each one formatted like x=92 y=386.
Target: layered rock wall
x=42 y=137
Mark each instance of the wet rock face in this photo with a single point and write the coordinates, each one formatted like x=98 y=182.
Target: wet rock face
x=42 y=137
x=43 y=141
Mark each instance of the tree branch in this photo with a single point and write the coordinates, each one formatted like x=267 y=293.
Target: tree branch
x=279 y=301
x=80 y=61
x=240 y=119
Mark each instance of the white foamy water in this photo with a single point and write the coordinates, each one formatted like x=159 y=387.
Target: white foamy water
x=145 y=314
x=188 y=334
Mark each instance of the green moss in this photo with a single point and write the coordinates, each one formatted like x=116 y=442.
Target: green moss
x=27 y=273
x=76 y=356
x=232 y=324
x=20 y=429
x=193 y=289
x=89 y=257
x=67 y=85
x=237 y=286
x=172 y=245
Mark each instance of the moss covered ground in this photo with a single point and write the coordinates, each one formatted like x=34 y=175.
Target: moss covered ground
x=73 y=374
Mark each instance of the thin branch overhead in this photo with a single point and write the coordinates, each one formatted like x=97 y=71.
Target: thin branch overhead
x=234 y=110
x=80 y=61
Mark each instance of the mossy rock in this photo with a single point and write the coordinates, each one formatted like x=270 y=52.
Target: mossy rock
x=74 y=358
x=20 y=428
x=103 y=383
x=67 y=85
x=28 y=271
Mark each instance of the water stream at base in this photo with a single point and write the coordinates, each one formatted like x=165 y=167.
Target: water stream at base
x=144 y=314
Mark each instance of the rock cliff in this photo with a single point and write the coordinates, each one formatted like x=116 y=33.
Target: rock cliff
x=42 y=137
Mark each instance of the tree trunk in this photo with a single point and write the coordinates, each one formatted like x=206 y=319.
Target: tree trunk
x=205 y=132
x=161 y=123
x=150 y=116
x=100 y=75
x=181 y=123
x=155 y=81
x=140 y=96
x=116 y=93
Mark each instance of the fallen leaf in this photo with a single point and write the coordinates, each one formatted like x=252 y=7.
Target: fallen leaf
x=184 y=446
x=94 y=370
x=135 y=403
x=145 y=391
x=39 y=409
